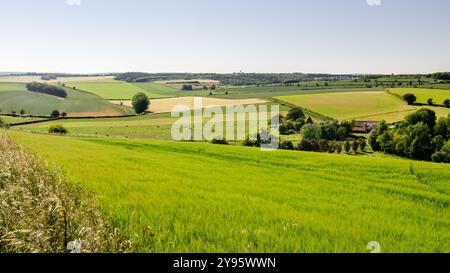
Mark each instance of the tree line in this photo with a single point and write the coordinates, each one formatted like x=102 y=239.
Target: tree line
x=236 y=79
x=46 y=89
x=420 y=136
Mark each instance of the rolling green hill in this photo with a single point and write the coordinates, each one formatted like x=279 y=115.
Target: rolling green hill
x=197 y=197
x=115 y=90
x=347 y=106
x=77 y=103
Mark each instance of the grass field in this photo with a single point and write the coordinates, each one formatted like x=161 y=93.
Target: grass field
x=166 y=91
x=253 y=201
x=9 y=119
x=77 y=103
x=351 y=105
x=112 y=90
x=8 y=87
x=422 y=94
x=139 y=127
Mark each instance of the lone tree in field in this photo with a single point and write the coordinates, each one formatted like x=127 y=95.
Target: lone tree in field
x=447 y=103
x=55 y=114
x=430 y=102
x=140 y=103
x=410 y=98
x=22 y=112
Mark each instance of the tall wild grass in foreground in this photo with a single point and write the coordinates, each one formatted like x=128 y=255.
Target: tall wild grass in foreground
x=41 y=212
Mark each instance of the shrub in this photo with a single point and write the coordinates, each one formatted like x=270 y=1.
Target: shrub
x=140 y=103
x=295 y=114
x=363 y=145
x=287 y=145
x=219 y=141
x=410 y=98
x=430 y=102
x=311 y=131
x=355 y=146
x=186 y=87
x=55 y=114
x=440 y=157
x=338 y=147
x=310 y=145
x=57 y=129
x=446 y=103
x=3 y=124
x=347 y=146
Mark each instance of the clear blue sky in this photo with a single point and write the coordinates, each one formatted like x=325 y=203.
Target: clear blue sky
x=334 y=36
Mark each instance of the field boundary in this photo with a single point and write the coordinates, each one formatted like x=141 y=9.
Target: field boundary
x=47 y=119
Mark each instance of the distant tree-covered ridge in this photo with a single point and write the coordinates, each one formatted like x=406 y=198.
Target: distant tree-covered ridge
x=441 y=76
x=230 y=79
x=46 y=89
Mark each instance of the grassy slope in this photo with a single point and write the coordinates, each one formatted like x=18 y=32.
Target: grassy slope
x=12 y=120
x=349 y=105
x=7 y=87
x=77 y=102
x=167 y=91
x=202 y=197
x=423 y=94
x=111 y=89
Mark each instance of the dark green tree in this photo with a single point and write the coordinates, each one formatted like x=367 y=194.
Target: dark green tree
x=410 y=98
x=140 y=103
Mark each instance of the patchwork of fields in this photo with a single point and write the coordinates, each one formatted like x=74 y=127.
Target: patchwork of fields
x=15 y=97
x=376 y=106
x=166 y=105
x=253 y=201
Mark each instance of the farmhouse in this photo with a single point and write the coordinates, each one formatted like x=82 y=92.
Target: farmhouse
x=364 y=127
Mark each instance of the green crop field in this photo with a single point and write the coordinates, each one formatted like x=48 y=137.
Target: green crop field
x=111 y=89
x=10 y=120
x=251 y=201
x=350 y=105
x=422 y=94
x=77 y=103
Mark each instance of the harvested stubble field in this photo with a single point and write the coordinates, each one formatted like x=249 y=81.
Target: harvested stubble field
x=166 y=105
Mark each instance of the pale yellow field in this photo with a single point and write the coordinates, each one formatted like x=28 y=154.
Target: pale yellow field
x=166 y=105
